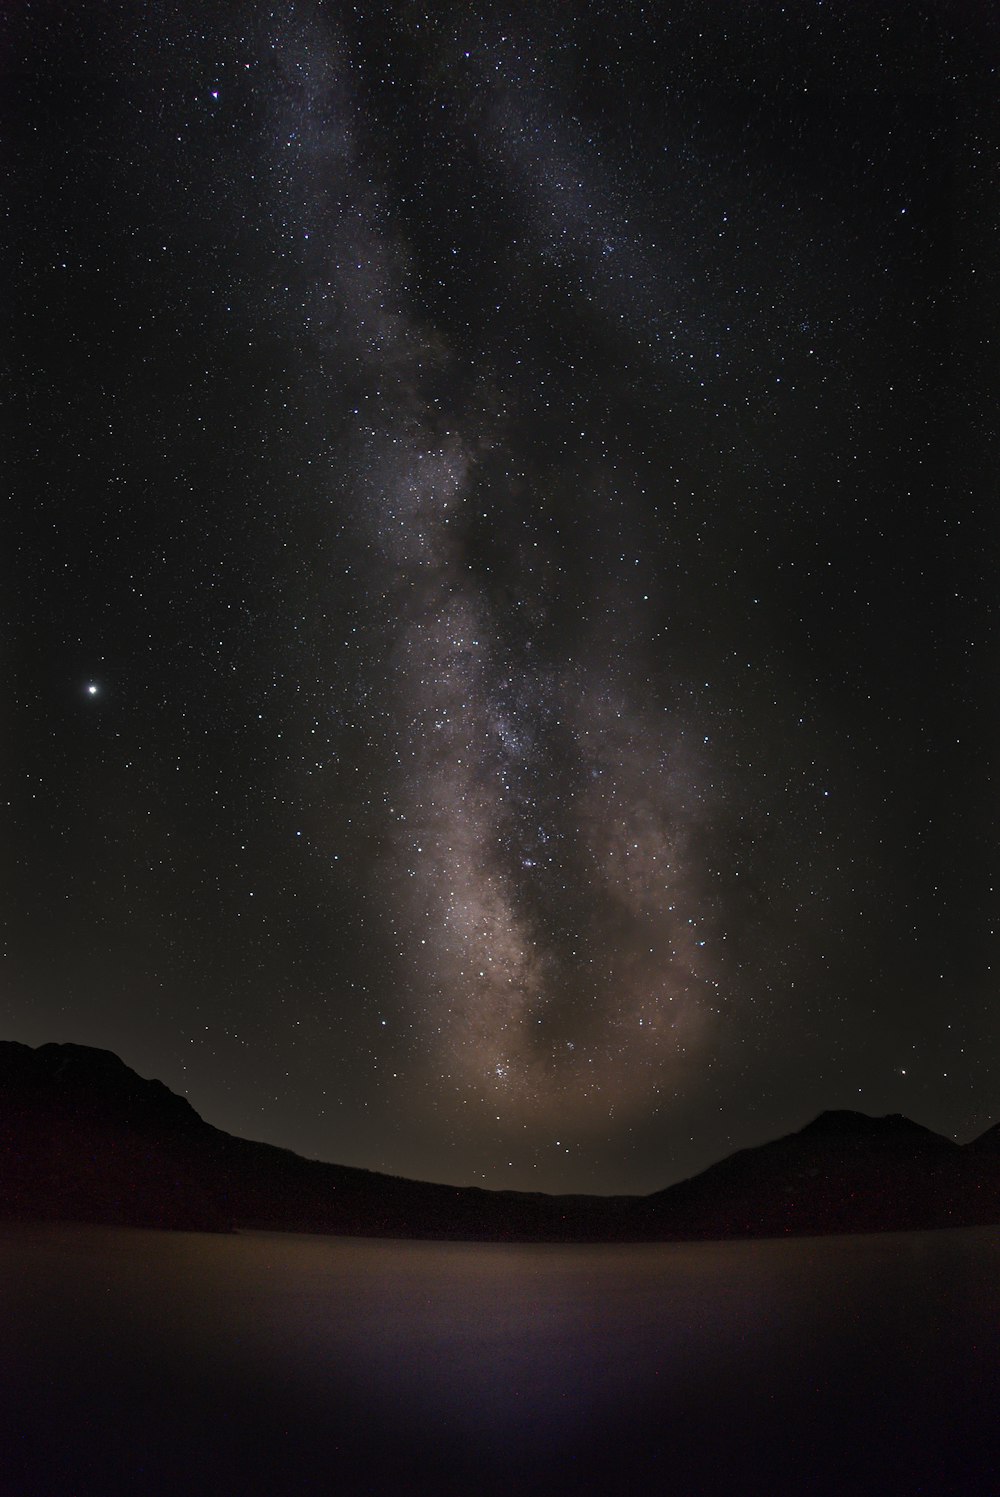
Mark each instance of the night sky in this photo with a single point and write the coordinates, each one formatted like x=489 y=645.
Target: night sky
x=499 y=649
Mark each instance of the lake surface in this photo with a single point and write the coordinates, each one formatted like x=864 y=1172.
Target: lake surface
x=149 y=1362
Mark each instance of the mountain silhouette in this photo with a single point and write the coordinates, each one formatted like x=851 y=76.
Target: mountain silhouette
x=843 y=1172
x=988 y=1142
x=83 y=1138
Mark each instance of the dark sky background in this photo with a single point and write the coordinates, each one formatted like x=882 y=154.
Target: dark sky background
x=500 y=663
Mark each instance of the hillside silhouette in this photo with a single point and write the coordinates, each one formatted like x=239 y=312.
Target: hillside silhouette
x=83 y=1138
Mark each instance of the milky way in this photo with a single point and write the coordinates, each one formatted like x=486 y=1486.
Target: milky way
x=539 y=883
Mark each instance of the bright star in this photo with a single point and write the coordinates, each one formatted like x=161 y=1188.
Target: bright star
x=91 y=689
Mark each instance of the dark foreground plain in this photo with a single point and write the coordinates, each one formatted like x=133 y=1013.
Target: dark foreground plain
x=154 y=1362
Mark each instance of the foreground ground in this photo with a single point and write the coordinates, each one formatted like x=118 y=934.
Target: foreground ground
x=163 y=1362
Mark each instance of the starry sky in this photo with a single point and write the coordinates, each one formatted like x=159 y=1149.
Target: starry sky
x=500 y=577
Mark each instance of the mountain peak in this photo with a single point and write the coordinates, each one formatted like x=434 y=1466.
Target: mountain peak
x=846 y=1124
x=83 y=1078
x=847 y=1120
